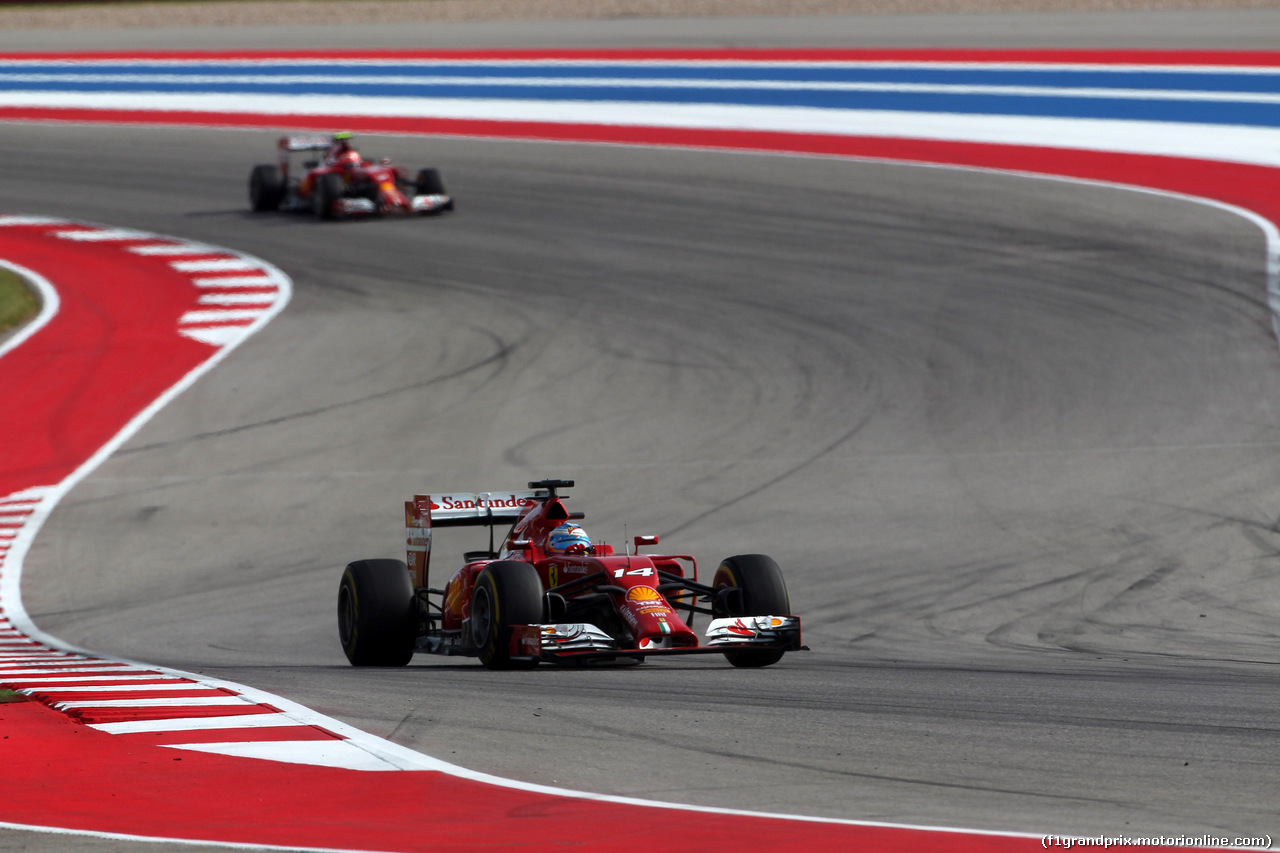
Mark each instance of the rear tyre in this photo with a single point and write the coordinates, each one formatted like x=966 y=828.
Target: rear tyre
x=266 y=188
x=762 y=592
x=430 y=183
x=376 y=623
x=506 y=593
x=327 y=191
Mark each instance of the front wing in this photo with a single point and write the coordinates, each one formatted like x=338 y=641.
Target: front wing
x=583 y=641
x=359 y=205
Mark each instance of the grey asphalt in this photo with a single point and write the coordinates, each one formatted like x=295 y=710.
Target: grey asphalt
x=1012 y=441
x=1235 y=29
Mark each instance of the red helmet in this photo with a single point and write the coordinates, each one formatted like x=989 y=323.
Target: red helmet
x=350 y=159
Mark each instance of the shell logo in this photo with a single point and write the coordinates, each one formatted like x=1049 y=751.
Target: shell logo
x=642 y=593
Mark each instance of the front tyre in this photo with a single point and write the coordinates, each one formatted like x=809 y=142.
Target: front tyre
x=376 y=621
x=760 y=591
x=506 y=593
x=329 y=189
x=429 y=182
x=266 y=188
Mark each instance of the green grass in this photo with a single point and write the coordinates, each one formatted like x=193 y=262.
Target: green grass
x=17 y=303
x=11 y=696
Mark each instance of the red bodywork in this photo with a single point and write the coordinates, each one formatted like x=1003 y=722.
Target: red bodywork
x=381 y=179
x=597 y=604
x=648 y=615
x=338 y=182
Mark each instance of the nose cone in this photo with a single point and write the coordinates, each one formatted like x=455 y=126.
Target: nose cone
x=652 y=621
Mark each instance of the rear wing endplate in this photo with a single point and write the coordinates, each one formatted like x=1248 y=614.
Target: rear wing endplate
x=478 y=509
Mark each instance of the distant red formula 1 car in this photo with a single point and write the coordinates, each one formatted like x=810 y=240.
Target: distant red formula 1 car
x=342 y=183
x=553 y=595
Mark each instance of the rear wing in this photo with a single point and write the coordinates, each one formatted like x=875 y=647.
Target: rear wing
x=303 y=143
x=478 y=509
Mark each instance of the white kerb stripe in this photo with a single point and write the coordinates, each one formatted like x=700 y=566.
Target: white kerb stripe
x=62 y=679
x=220 y=265
x=263 y=299
x=214 y=315
x=188 y=724
x=114 y=688
x=31 y=220
x=32 y=655
x=176 y=249
x=235 y=281
x=102 y=235
x=160 y=702
x=215 y=336
x=63 y=670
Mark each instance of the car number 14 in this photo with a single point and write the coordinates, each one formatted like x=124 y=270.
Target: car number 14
x=644 y=573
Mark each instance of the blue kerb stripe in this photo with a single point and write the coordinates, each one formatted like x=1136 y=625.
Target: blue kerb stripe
x=1267 y=81
x=1134 y=109
x=368 y=80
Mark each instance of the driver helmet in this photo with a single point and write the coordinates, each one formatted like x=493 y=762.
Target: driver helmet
x=350 y=159
x=568 y=538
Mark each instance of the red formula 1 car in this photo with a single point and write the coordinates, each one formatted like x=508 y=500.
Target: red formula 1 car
x=553 y=595
x=342 y=183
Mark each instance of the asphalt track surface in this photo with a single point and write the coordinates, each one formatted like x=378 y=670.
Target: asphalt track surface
x=1012 y=440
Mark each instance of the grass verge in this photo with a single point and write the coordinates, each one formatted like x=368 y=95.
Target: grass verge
x=12 y=696
x=18 y=303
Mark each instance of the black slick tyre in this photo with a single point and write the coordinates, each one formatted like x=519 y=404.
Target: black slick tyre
x=376 y=621
x=430 y=183
x=506 y=593
x=328 y=190
x=266 y=188
x=762 y=592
